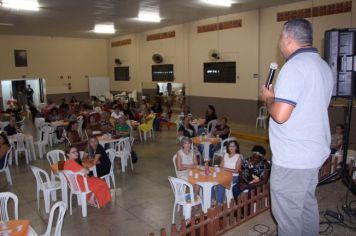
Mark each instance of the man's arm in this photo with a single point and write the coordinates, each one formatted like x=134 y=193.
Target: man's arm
x=279 y=111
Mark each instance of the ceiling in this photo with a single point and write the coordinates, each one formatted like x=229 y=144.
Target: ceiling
x=76 y=18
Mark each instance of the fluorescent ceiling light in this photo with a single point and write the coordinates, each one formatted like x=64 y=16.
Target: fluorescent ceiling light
x=104 y=29
x=149 y=16
x=27 y=5
x=221 y=3
x=6 y=24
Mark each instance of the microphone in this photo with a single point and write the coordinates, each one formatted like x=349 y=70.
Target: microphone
x=272 y=68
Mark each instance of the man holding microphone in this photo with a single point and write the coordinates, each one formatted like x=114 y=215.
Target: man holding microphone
x=299 y=130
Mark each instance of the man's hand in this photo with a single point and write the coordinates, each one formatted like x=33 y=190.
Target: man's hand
x=267 y=94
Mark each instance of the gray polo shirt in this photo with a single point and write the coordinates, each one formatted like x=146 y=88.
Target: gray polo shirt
x=303 y=141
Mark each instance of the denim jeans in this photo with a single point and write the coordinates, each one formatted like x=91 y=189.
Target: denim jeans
x=220 y=190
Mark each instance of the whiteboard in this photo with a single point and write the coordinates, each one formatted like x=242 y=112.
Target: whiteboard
x=98 y=85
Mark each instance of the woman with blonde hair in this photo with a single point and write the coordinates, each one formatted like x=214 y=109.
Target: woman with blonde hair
x=186 y=159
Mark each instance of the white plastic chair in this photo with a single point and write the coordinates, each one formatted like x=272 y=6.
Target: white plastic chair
x=39 y=122
x=75 y=189
x=123 y=151
x=211 y=126
x=61 y=206
x=64 y=134
x=178 y=124
x=20 y=123
x=4 y=198
x=53 y=157
x=3 y=124
x=150 y=132
x=44 y=140
x=6 y=168
x=261 y=120
x=128 y=122
x=53 y=135
x=19 y=146
x=183 y=198
x=80 y=126
x=45 y=185
x=111 y=153
x=221 y=152
x=229 y=195
x=174 y=159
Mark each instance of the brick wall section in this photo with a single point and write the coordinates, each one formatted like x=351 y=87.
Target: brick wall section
x=331 y=9
x=121 y=43
x=219 y=26
x=158 y=36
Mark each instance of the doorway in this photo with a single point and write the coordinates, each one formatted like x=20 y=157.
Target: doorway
x=15 y=89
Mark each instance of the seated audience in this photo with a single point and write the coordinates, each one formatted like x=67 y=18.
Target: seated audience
x=186 y=129
x=165 y=117
x=222 y=130
x=337 y=138
x=97 y=106
x=93 y=126
x=74 y=100
x=54 y=115
x=255 y=171
x=50 y=106
x=117 y=112
x=185 y=111
x=15 y=110
x=4 y=147
x=99 y=188
x=74 y=137
x=127 y=112
x=147 y=121
x=12 y=128
x=122 y=129
x=97 y=153
x=157 y=108
x=71 y=115
x=105 y=123
x=210 y=114
x=186 y=159
x=132 y=103
x=64 y=106
x=231 y=162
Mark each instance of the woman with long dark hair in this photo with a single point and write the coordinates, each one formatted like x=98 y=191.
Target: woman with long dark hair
x=231 y=162
x=74 y=137
x=98 y=186
x=210 y=114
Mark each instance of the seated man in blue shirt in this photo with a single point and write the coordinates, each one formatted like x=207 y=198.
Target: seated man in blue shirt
x=12 y=128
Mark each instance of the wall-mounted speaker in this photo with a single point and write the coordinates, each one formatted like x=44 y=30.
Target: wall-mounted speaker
x=118 y=61
x=157 y=58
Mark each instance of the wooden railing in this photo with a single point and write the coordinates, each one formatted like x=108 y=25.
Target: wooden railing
x=221 y=219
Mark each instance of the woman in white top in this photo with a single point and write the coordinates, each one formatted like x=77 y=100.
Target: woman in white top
x=232 y=163
x=186 y=159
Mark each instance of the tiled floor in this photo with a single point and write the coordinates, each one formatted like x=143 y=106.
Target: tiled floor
x=143 y=200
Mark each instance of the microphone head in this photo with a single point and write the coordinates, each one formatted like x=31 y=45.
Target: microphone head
x=273 y=66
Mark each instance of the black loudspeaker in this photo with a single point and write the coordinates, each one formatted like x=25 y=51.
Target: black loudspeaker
x=340 y=54
x=157 y=58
